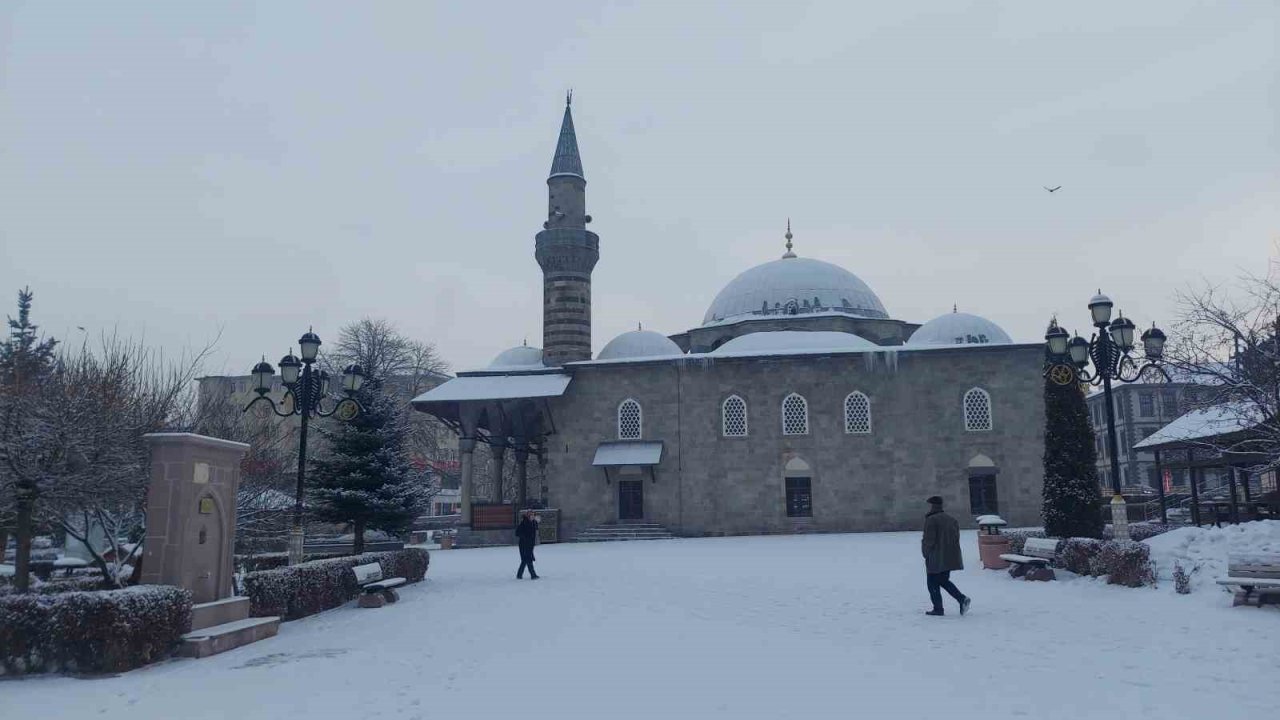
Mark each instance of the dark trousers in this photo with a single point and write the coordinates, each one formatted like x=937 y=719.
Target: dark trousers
x=526 y=564
x=942 y=581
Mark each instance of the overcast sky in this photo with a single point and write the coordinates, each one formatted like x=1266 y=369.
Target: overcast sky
x=189 y=170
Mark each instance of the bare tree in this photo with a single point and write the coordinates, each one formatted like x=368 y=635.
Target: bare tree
x=1226 y=340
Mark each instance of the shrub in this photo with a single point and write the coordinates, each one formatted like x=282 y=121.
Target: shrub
x=301 y=590
x=76 y=583
x=1122 y=562
x=1018 y=538
x=1181 y=580
x=92 y=632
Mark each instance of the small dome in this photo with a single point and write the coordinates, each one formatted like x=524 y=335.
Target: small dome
x=639 y=344
x=792 y=341
x=795 y=285
x=521 y=357
x=957 y=328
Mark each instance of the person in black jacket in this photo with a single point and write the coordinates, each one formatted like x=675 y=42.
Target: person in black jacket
x=526 y=534
x=941 y=549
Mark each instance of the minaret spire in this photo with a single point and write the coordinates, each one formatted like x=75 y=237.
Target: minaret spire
x=788 y=236
x=567 y=161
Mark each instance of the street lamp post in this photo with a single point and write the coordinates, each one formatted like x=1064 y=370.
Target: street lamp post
x=306 y=390
x=1109 y=350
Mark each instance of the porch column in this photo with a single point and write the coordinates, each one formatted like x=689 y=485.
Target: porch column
x=522 y=477
x=1244 y=476
x=542 y=468
x=1164 y=511
x=466 y=446
x=499 y=449
x=1235 y=505
x=1195 y=490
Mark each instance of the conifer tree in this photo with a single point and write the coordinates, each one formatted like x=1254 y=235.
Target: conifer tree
x=365 y=478
x=1071 y=497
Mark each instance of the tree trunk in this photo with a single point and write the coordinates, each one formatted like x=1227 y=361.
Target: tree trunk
x=4 y=542
x=23 y=530
x=358 y=544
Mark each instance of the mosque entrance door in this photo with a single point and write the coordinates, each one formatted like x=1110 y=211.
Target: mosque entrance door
x=630 y=500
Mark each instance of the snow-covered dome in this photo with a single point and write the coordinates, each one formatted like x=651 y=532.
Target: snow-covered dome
x=957 y=328
x=795 y=285
x=792 y=341
x=638 y=344
x=521 y=357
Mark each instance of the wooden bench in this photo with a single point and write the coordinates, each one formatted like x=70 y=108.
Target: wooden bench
x=376 y=591
x=1256 y=577
x=1033 y=562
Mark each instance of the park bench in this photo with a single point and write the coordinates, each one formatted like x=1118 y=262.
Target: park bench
x=1256 y=577
x=376 y=591
x=1033 y=562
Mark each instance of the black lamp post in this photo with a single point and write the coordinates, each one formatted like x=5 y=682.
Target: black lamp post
x=1109 y=350
x=306 y=391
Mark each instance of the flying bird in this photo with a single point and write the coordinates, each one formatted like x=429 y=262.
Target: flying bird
x=1051 y=189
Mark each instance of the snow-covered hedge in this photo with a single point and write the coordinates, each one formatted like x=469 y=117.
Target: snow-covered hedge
x=1138 y=532
x=91 y=632
x=1122 y=562
x=301 y=590
x=75 y=583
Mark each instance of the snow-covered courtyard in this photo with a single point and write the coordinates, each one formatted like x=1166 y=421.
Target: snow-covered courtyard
x=800 y=626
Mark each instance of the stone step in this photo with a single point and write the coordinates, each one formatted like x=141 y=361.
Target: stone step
x=625 y=535
x=228 y=636
x=219 y=612
x=623 y=531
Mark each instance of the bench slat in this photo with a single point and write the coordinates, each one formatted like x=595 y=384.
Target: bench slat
x=384 y=584
x=365 y=574
x=1040 y=547
x=1252 y=582
x=1024 y=559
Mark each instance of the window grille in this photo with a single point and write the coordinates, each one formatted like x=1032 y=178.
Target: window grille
x=734 y=416
x=799 y=497
x=857 y=414
x=795 y=415
x=977 y=410
x=629 y=420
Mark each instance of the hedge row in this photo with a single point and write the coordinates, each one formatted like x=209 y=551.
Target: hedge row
x=92 y=632
x=1122 y=562
x=75 y=583
x=311 y=587
x=1137 y=533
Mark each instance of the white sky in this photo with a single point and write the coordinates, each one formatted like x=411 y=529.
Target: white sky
x=180 y=170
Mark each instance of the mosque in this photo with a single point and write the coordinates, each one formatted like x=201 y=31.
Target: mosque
x=799 y=404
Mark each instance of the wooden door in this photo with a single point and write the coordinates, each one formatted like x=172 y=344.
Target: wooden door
x=631 y=500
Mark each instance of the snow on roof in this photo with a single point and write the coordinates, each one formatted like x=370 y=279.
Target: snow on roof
x=787 y=342
x=627 y=452
x=496 y=387
x=802 y=281
x=639 y=344
x=1205 y=423
x=957 y=328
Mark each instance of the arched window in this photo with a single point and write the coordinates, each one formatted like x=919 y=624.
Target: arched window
x=977 y=410
x=857 y=414
x=733 y=414
x=795 y=415
x=629 y=420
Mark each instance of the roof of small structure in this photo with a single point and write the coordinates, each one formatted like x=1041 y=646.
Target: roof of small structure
x=1202 y=424
x=638 y=344
x=957 y=328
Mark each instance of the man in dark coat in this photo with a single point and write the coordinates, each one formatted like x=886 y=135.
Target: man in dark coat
x=941 y=549
x=526 y=534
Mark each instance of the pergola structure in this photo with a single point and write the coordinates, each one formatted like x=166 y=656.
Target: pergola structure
x=1207 y=438
x=505 y=411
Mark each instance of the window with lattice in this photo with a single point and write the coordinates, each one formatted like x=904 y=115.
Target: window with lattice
x=734 y=416
x=629 y=420
x=795 y=415
x=857 y=414
x=977 y=410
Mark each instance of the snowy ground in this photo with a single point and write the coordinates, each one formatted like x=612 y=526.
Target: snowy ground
x=826 y=626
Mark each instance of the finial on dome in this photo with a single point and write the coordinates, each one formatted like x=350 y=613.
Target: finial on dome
x=568 y=98
x=788 y=253
x=954 y=308
x=639 y=327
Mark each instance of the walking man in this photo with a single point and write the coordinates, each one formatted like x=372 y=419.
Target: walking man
x=941 y=549
x=526 y=534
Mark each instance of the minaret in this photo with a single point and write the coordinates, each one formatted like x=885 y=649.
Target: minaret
x=567 y=253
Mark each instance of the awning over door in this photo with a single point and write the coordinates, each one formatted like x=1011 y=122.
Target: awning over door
x=628 y=452
x=495 y=387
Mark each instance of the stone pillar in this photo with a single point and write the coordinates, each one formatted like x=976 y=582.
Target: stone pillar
x=466 y=446
x=522 y=477
x=191 y=513
x=499 y=449
x=542 y=467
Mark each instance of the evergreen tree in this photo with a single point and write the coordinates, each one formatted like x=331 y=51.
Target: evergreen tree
x=365 y=478
x=1071 y=497
x=24 y=357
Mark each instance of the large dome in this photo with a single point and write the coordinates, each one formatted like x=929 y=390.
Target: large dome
x=957 y=328
x=639 y=344
x=783 y=342
x=795 y=285
x=521 y=357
